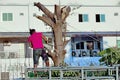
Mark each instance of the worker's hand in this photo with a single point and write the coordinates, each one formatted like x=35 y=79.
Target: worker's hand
x=47 y=42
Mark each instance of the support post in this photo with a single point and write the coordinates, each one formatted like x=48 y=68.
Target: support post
x=116 y=73
x=82 y=72
x=61 y=74
x=50 y=74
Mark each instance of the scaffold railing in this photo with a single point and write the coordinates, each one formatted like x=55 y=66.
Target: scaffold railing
x=111 y=73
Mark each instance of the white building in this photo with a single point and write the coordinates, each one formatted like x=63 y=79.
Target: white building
x=21 y=15
x=85 y=16
x=89 y=15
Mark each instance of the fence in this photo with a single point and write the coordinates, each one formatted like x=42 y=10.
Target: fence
x=112 y=73
x=13 y=67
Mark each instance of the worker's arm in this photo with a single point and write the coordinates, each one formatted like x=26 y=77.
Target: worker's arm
x=45 y=38
x=30 y=44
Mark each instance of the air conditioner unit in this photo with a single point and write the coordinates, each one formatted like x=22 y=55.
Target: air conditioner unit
x=83 y=53
x=94 y=53
x=73 y=53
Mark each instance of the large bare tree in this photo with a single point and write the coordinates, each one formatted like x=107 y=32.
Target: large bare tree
x=57 y=21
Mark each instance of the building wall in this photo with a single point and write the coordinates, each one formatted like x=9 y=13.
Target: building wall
x=111 y=20
x=20 y=18
x=64 y=2
x=23 y=22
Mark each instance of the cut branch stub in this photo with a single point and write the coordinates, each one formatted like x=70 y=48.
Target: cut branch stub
x=65 y=12
x=58 y=12
x=45 y=10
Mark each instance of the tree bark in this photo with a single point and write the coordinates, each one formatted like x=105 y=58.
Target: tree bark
x=58 y=45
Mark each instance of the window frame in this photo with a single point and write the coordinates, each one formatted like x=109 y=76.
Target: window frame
x=83 y=18
x=7 y=16
x=100 y=18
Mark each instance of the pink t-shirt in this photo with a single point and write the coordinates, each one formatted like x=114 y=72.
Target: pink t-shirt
x=36 y=40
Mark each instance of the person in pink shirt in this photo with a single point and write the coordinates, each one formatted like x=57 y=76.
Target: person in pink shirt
x=35 y=39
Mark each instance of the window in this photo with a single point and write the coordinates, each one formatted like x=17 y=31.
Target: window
x=83 y=17
x=80 y=45
x=100 y=17
x=7 y=17
x=90 y=45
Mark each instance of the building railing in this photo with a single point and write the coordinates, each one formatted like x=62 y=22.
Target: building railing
x=112 y=73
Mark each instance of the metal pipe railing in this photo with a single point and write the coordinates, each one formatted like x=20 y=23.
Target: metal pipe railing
x=82 y=69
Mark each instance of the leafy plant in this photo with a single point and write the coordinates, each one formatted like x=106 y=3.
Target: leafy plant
x=110 y=56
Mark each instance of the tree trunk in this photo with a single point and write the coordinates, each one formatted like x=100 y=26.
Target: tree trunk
x=59 y=50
